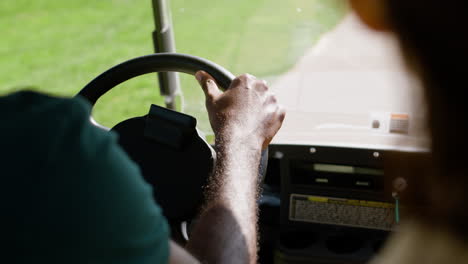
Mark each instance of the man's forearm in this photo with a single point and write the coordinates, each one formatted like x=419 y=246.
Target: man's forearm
x=244 y=118
x=226 y=231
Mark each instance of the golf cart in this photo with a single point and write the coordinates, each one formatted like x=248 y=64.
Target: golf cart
x=328 y=191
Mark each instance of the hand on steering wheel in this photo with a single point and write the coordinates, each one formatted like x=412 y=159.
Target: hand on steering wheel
x=246 y=112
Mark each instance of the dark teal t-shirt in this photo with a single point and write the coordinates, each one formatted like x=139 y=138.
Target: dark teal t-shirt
x=68 y=192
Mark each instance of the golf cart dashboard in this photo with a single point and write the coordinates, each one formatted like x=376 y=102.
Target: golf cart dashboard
x=330 y=203
x=326 y=203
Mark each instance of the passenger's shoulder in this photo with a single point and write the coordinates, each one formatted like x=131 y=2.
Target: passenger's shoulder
x=415 y=242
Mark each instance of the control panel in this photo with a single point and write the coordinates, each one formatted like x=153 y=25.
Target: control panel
x=336 y=203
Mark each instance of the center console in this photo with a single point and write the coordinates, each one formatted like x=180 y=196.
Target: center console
x=333 y=205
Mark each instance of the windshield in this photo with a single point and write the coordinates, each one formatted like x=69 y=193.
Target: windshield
x=340 y=83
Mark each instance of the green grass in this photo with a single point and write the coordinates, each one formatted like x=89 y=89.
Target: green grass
x=58 y=46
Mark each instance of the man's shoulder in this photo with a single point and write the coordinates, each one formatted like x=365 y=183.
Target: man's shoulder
x=39 y=129
x=38 y=116
x=40 y=107
x=82 y=182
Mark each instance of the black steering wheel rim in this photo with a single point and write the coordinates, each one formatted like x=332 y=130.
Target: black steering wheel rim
x=159 y=62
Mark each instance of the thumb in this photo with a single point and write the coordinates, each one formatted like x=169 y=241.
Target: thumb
x=208 y=84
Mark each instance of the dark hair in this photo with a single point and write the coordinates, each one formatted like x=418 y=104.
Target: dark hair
x=433 y=38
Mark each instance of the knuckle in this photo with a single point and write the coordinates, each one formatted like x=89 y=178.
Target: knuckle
x=246 y=80
x=236 y=82
x=274 y=99
x=241 y=80
x=282 y=113
x=261 y=85
x=271 y=98
x=246 y=77
x=243 y=77
x=250 y=76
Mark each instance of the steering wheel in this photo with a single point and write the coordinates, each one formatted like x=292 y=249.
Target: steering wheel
x=178 y=187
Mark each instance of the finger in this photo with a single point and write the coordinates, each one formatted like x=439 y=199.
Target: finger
x=282 y=114
x=275 y=123
x=208 y=84
x=266 y=143
x=261 y=86
x=271 y=99
x=246 y=81
x=278 y=117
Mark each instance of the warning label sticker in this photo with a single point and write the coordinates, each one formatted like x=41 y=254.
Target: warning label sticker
x=338 y=211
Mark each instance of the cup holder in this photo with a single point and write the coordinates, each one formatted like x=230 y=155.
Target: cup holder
x=298 y=240
x=344 y=244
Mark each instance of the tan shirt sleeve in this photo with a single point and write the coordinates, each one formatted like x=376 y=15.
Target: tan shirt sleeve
x=414 y=243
